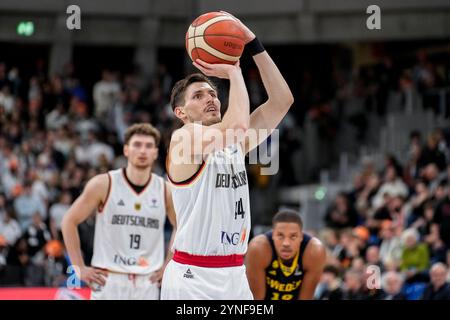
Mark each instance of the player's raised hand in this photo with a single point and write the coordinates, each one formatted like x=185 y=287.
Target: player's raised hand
x=218 y=70
x=93 y=276
x=248 y=33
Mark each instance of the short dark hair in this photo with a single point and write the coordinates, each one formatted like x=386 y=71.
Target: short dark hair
x=287 y=216
x=179 y=89
x=145 y=129
x=331 y=269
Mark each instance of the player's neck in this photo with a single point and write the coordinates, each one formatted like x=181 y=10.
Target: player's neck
x=138 y=176
x=288 y=262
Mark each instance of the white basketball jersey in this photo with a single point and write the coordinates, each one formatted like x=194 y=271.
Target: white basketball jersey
x=129 y=230
x=213 y=207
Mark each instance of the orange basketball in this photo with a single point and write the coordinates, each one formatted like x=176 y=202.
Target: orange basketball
x=215 y=37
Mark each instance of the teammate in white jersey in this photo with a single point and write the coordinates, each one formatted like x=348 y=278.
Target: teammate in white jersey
x=131 y=206
x=207 y=171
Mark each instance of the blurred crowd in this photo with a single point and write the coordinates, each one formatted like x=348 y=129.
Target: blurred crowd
x=56 y=133
x=389 y=237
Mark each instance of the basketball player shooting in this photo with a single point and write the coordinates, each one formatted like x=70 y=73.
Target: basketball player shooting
x=131 y=205
x=210 y=191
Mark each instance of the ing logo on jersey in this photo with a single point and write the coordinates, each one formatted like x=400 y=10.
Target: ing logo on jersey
x=137 y=206
x=275 y=264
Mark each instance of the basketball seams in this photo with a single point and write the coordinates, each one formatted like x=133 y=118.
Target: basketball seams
x=202 y=28
x=195 y=43
x=216 y=35
x=197 y=39
x=231 y=35
x=214 y=52
x=218 y=49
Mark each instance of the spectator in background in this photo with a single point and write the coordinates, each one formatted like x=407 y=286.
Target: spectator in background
x=415 y=256
x=26 y=205
x=97 y=149
x=37 y=235
x=12 y=177
x=445 y=176
x=364 y=198
x=412 y=168
x=442 y=219
x=2 y=206
x=6 y=100
x=358 y=264
x=18 y=262
x=438 y=288
x=9 y=233
x=57 y=212
x=57 y=118
x=353 y=286
x=393 y=210
x=430 y=174
x=439 y=193
x=442 y=143
x=432 y=154
x=392 y=185
x=341 y=214
x=392 y=283
x=391 y=246
x=26 y=157
x=447 y=259
x=331 y=242
x=329 y=287
x=3 y=78
x=349 y=242
x=9 y=227
x=105 y=93
x=373 y=257
x=426 y=227
x=417 y=202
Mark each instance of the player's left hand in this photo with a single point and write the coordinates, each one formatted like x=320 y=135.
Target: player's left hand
x=249 y=35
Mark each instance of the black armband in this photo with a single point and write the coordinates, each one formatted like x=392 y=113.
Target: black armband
x=254 y=47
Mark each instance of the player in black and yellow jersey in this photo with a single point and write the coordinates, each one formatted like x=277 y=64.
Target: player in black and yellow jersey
x=284 y=263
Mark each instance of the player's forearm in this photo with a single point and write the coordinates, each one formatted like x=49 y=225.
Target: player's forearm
x=72 y=242
x=238 y=113
x=258 y=290
x=276 y=87
x=169 y=249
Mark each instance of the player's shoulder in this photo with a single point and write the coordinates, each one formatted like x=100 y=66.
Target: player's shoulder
x=259 y=242
x=259 y=251
x=315 y=250
x=185 y=128
x=99 y=183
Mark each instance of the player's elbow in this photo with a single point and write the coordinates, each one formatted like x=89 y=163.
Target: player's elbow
x=67 y=223
x=288 y=100
x=240 y=126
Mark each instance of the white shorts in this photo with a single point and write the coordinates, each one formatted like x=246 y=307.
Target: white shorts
x=187 y=282
x=122 y=286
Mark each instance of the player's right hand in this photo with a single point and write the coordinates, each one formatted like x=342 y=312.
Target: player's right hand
x=93 y=275
x=219 y=70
